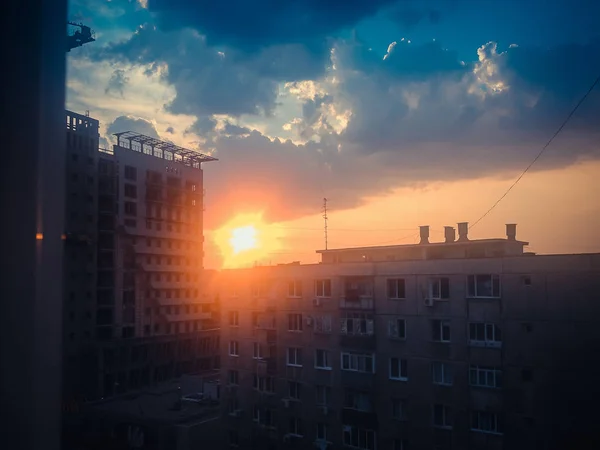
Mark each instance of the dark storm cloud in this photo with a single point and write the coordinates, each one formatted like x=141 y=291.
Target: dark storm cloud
x=254 y=25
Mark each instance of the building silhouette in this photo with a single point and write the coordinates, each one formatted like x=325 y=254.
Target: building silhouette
x=464 y=344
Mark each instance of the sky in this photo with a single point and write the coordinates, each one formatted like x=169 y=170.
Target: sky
x=401 y=113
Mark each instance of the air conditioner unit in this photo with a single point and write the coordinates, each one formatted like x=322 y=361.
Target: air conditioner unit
x=317 y=302
x=429 y=302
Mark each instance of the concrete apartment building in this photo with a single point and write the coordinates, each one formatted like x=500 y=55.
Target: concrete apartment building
x=463 y=344
x=135 y=312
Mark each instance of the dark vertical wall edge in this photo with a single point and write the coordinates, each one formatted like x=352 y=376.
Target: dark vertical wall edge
x=32 y=196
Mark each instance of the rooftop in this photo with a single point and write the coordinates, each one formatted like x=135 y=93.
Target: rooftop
x=181 y=401
x=161 y=149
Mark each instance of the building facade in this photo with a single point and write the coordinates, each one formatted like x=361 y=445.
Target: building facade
x=135 y=310
x=464 y=344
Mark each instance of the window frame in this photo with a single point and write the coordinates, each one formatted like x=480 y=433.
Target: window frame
x=489 y=328
x=234 y=346
x=257 y=352
x=402 y=367
x=323 y=288
x=443 y=288
x=326 y=359
x=477 y=372
x=234 y=318
x=294 y=289
x=393 y=287
x=496 y=285
x=399 y=404
x=445 y=368
x=357 y=357
x=297 y=351
x=446 y=416
x=495 y=421
x=294 y=388
x=442 y=323
x=295 y=322
x=358 y=436
x=395 y=323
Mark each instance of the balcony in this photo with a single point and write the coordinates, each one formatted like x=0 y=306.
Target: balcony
x=357 y=302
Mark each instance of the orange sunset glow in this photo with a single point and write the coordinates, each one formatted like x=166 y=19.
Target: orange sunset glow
x=247 y=239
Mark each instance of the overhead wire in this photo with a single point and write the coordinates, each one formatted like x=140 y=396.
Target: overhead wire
x=556 y=133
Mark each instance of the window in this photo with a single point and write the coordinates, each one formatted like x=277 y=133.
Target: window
x=130 y=208
x=484 y=334
x=294 y=356
x=358 y=362
x=442 y=373
x=322 y=431
x=322 y=324
x=483 y=376
x=357 y=324
x=234 y=348
x=442 y=416
x=294 y=390
x=233 y=405
x=323 y=395
x=295 y=289
x=323 y=288
x=130 y=190
x=234 y=440
x=233 y=377
x=130 y=173
x=400 y=444
x=397 y=328
x=359 y=438
x=234 y=318
x=264 y=384
x=399 y=409
x=483 y=286
x=396 y=288
x=439 y=288
x=486 y=422
x=257 y=353
x=296 y=426
x=131 y=223
x=361 y=401
x=322 y=359
x=440 y=330
x=294 y=322
x=398 y=369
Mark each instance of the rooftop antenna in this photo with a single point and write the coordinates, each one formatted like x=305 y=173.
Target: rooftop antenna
x=325 y=219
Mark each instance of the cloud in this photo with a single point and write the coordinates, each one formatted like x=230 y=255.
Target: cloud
x=254 y=25
x=362 y=125
x=210 y=81
x=117 y=82
x=129 y=123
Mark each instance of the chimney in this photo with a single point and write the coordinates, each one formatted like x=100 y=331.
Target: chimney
x=463 y=231
x=511 y=231
x=449 y=234
x=424 y=234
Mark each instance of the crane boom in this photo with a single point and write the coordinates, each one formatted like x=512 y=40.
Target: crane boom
x=82 y=36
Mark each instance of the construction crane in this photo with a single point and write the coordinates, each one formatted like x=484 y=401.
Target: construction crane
x=82 y=36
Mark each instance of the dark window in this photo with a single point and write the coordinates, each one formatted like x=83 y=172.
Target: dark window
x=130 y=173
x=527 y=375
x=131 y=208
x=131 y=190
x=396 y=288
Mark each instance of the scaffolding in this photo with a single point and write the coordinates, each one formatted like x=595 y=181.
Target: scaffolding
x=161 y=149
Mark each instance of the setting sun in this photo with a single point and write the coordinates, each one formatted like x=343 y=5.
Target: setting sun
x=246 y=240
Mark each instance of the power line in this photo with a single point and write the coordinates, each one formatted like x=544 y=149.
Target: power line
x=564 y=123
